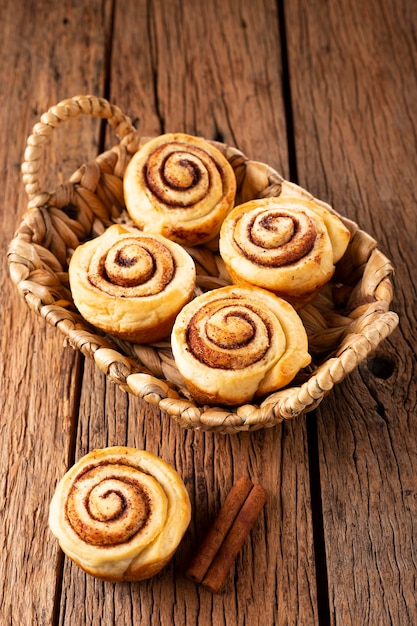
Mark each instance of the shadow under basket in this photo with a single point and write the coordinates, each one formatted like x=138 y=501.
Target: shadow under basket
x=345 y=322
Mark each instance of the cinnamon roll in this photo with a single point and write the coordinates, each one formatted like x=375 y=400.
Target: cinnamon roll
x=235 y=343
x=131 y=285
x=286 y=245
x=120 y=513
x=181 y=187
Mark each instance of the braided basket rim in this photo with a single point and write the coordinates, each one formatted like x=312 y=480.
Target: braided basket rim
x=55 y=223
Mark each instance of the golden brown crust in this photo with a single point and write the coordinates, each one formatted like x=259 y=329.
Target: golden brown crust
x=181 y=187
x=286 y=245
x=236 y=343
x=120 y=513
x=131 y=285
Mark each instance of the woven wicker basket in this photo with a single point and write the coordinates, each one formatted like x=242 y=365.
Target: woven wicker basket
x=345 y=322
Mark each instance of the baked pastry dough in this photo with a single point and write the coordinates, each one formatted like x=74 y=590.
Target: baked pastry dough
x=286 y=245
x=120 y=513
x=131 y=285
x=235 y=343
x=179 y=186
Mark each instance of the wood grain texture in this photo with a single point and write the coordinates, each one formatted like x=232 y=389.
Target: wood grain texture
x=357 y=150
x=210 y=69
x=45 y=47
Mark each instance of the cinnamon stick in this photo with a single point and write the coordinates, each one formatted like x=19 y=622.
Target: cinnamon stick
x=234 y=540
x=219 y=529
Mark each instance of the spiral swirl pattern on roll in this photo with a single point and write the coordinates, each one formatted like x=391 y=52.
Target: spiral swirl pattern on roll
x=181 y=175
x=284 y=245
x=235 y=343
x=274 y=237
x=181 y=187
x=120 y=513
x=109 y=508
x=133 y=267
x=131 y=285
x=231 y=333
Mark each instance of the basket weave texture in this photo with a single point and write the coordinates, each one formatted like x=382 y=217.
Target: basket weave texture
x=344 y=323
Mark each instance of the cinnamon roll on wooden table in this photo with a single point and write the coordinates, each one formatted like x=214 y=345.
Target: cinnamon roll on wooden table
x=131 y=285
x=120 y=513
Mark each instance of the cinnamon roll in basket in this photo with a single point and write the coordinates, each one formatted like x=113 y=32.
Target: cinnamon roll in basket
x=345 y=321
x=287 y=245
x=131 y=285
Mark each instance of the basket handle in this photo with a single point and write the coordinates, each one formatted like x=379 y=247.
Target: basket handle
x=61 y=112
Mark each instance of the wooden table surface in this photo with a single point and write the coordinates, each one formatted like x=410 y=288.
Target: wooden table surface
x=326 y=93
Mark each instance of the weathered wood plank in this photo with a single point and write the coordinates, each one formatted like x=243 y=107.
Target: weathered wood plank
x=354 y=65
x=49 y=51
x=208 y=463
x=214 y=71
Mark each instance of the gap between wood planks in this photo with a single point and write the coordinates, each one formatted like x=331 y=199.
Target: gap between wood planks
x=77 y=383
x=322 y=589
x=323 y=605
